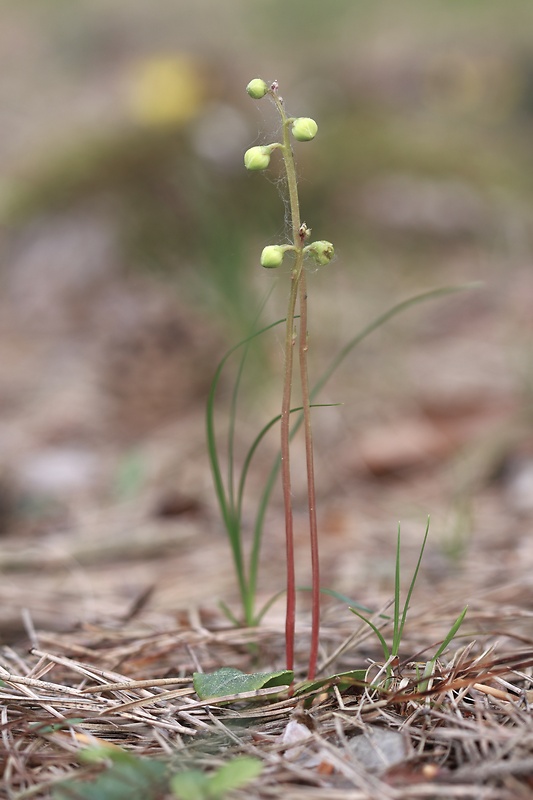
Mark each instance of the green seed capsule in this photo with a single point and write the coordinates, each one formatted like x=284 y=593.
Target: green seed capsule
x=304 y=129
x=272 y=256
x=257 y=158
x=257 y=88
x=322 y=252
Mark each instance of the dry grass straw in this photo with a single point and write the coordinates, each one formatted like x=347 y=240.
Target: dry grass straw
x=469 y=735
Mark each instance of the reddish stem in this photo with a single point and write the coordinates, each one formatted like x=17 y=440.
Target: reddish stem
x=290 y=617
x=311 y=493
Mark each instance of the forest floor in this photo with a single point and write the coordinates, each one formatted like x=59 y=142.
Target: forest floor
x=113 y=560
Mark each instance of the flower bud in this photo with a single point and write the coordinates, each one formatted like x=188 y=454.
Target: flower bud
x=322 y=252
x=257 y=157
x=272 y=256
x=304 y=129
x=257 y=88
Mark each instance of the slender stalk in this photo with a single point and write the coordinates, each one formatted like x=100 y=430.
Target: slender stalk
x=298 y=290
x=290 y=617
x=311 y=493
x=297 y=269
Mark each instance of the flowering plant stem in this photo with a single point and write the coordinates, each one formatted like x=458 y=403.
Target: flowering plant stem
x=257 y=158
x=298 y=292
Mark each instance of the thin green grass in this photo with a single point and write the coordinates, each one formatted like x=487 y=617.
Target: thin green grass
x=230 y=494
x=399 y=618
x=231 y=501
x=399 y=615
x=225 y=497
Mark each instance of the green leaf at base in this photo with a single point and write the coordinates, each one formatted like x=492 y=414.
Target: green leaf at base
x=230 y=681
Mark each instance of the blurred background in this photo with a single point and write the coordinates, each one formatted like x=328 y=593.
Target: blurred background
x=130 y=238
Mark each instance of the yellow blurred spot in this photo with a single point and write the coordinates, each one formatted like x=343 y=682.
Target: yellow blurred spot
x=168 y=90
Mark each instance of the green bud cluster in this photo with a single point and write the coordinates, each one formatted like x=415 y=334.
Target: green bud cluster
x=304 y=129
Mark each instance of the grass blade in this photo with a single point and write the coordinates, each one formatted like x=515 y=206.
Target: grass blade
x=233 y=407
x=432 y=294
x=450 y=635
x=430 y=665
x=231 y=522
x=397 y=626
x=383 y=643
x=398 y=633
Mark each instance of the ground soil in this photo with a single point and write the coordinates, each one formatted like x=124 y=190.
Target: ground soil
x=113 y=559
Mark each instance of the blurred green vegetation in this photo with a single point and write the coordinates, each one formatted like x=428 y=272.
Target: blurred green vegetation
x=433 y=97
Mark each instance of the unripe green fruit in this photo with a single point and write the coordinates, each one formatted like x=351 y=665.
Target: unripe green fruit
x=257 y=88
x=272 y=256
x=321 y=251
x=304 y=129
x=257 y=158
